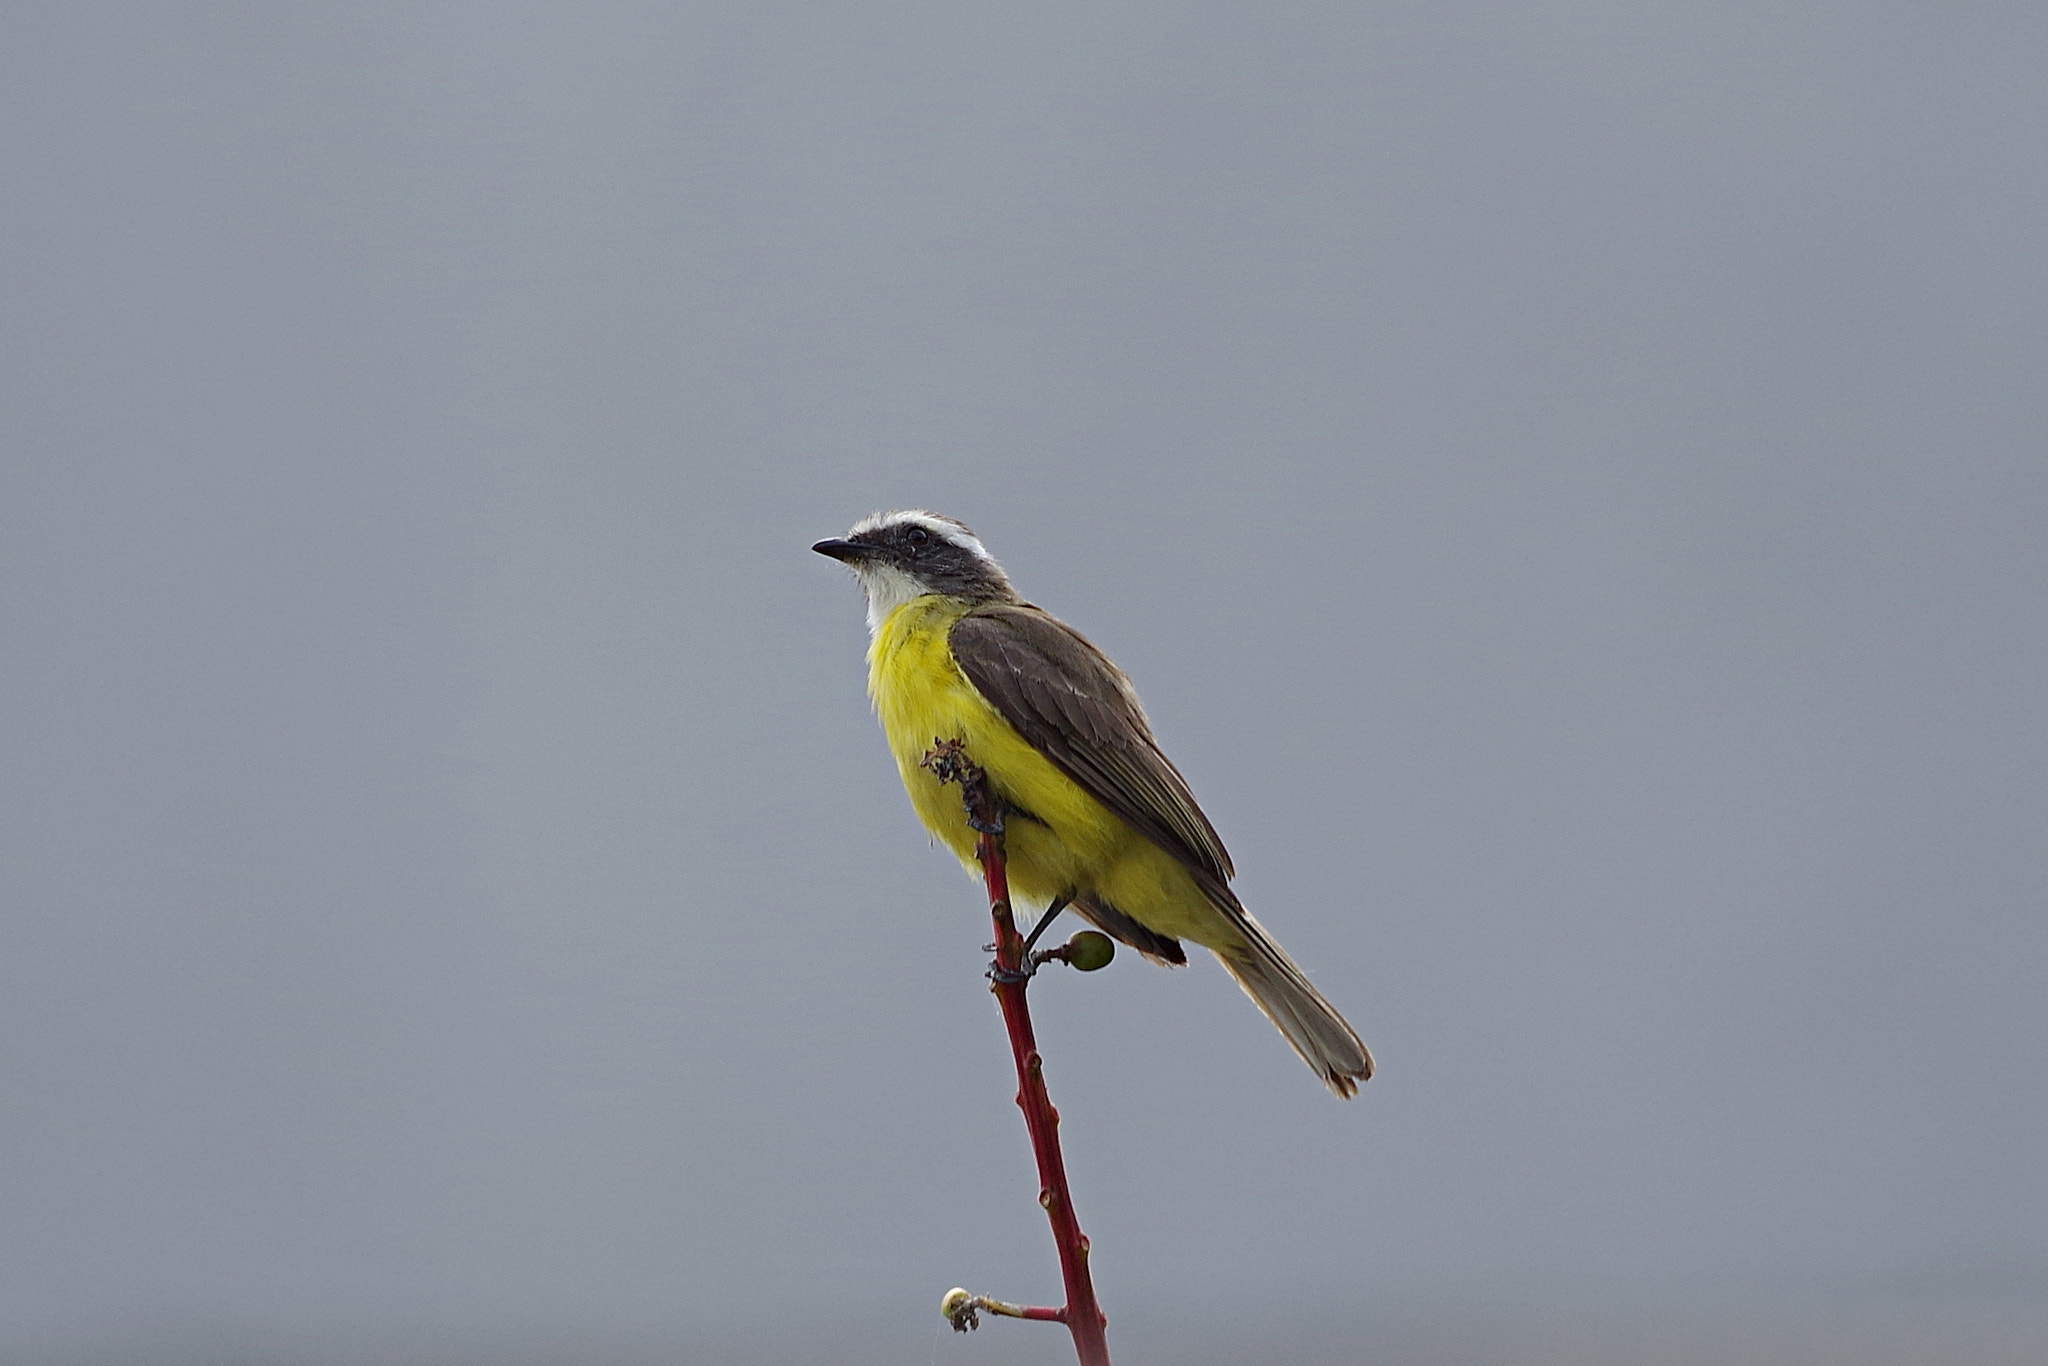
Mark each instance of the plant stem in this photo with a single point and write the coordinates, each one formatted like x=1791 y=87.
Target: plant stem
x=1082 y=1315
x=1010 y=976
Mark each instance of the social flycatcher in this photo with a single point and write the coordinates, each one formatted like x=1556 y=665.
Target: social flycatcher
x=1101 y=821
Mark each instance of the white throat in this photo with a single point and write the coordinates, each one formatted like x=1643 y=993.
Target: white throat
x=888 y=588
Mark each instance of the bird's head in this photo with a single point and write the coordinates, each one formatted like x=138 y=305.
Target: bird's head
x=903 y=555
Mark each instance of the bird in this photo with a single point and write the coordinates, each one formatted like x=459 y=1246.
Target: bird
x=1098 y=820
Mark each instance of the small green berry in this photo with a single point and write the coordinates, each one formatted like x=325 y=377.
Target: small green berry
x=1089 y=951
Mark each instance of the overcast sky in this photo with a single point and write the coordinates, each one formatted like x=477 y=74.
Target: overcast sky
x=1567 y=477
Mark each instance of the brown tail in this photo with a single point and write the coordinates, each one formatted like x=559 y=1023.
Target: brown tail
x=1280 y=989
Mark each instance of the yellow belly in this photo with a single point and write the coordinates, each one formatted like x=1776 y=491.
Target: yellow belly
x=1076 y=845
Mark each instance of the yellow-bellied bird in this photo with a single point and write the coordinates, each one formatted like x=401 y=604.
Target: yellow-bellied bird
x=1101 y=820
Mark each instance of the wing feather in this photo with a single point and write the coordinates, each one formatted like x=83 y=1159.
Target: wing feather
x=1077 y=709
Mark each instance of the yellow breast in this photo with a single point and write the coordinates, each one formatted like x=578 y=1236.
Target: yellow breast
x=922 y=697
x=1068 y=842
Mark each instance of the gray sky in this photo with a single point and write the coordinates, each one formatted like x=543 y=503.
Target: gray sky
x=1567 y=478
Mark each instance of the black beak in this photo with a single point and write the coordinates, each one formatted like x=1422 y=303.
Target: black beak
x=846 y=552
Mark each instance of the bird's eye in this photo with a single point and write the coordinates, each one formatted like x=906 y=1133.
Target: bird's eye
x=917 y=536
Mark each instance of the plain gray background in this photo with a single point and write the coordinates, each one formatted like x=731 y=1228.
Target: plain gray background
x=1567 y=477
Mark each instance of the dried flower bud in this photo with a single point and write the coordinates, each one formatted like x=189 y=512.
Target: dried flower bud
x=958 y=1307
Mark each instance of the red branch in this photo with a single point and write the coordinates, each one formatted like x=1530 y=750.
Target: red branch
x=1082 y=1315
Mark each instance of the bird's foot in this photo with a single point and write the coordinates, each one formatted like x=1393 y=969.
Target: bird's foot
x=1003 y=976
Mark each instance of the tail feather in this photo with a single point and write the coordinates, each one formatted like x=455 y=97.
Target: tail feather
x=1280 y=989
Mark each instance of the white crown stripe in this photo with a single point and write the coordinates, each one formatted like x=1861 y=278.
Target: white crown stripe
x=931 y=521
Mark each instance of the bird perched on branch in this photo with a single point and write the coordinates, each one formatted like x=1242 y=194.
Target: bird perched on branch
x=1100 y=821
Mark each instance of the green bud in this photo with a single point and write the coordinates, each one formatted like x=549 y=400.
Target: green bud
x=1089 y=951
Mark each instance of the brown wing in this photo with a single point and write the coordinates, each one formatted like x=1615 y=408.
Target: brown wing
x=1077 y=709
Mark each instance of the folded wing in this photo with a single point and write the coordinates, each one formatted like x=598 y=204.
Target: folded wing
x=1077 y=709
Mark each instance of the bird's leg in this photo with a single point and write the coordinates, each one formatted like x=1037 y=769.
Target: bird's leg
x=1029 y=961
x=1052 y=913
